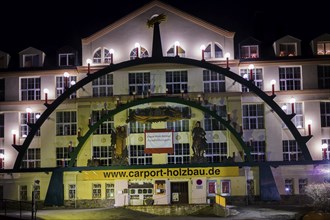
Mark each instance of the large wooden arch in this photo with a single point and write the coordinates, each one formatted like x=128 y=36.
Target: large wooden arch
x=301 y=140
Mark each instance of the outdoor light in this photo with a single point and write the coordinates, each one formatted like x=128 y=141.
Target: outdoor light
x=111 y=55
x=309 y=125
x=324 y=151
x=14 y=132
x=46 y=91
x=88 y=61
x=273 y=82
x=28 y=111
x=227 y=55
x=66 y=77
x=284 y=107
x=177 y=44
x=37 y=116
x=245 y=76
x=203 y=50
x=251 y=67
x=137 y=46
x=292 y=101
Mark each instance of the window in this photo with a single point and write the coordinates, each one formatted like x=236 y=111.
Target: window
x=213 y=82
x=176 y=81
x=323 y=73
x=106 y=127
x=36 y=190
x=288 y=186
x=66 y=123
x=172 y=51
x=181 y=154
x=291 y=151
x=253 y=116
x=218 y=53
x=103 y=86
x=216 y=152
x=62 y=83
x=109 y=190
x=325 y=114
x=30 y=88
x=290 y=78
x=258 y=150
x=142 y=53
x=207 y=52
x=103 y=154
x=323 y=48
x=24 y=128
x=302 y=186
x=288 y=50
x=212 y=124
x=249 y=51
x=72 y=191
x=32 y=158
x=139 y=83
x=138 y=127
x=180 y=125
x=326 y=151
x=2 y=126
x=2 y=158
x=66 y=59
x=211 y=187
x=257 y=78
x=63 y=155
x=23 y=192
x=96 y=191
x=102 y=56
x=298 y=119
x=31 y=60
x=137 y=155
x=225 y=187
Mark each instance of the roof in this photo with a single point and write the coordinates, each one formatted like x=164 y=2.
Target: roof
x=167 y=7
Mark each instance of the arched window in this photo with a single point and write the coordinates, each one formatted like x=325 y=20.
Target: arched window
x=101 y=55
x=171 y=52
x=143 y=53
x=218 y=53
x=207 y=52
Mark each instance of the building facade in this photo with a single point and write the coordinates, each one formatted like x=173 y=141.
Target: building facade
x=162 y=111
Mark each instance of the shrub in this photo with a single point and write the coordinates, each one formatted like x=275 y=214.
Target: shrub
x=320 y=195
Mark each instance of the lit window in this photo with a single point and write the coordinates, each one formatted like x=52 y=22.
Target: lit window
x=323 y=48
x=288 y=49
x=249 y=51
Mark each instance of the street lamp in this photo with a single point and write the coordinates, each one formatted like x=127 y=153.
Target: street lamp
x=251 y=67
x=46 y=91
x=14 y=132
x=273 y=82
x=137 y=46
x=177 y=44
x=88 y=61
x=66 y=78
x=203 y=50
x=28 y=112
x=111 y=55
x=227 y=55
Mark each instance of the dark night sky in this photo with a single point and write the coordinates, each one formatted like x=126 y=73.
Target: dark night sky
x=49 y=25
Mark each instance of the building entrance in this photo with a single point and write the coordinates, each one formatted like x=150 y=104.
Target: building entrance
x=179 y=193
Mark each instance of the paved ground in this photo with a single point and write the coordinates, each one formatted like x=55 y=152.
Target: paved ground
x=241 y=212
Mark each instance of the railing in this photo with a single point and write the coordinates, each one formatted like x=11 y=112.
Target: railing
x=13 y=207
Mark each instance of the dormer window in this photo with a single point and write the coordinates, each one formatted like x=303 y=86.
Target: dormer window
x=31 y=60
x=172 y=51
x=102 y=56
x=249 y=51
x=141 y=50
x=323 y=48
x=66 y=59
x=218 y=52
x=288 y=49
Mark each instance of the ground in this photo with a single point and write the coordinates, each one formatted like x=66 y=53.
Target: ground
x=237 y=212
